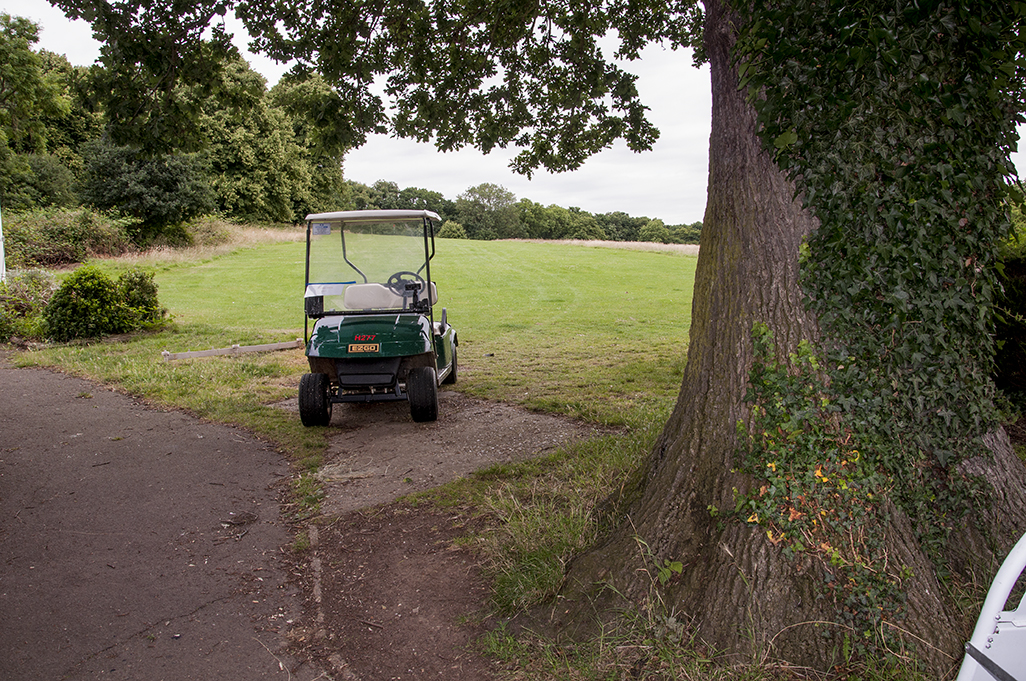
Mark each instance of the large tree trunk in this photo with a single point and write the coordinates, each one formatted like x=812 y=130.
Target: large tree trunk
x=745 y=597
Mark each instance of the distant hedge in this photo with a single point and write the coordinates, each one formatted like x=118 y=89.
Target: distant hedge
x=53 y=237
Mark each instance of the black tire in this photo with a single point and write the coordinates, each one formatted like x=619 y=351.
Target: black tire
x=450 y=379
x=422 y=390
x=315 y=400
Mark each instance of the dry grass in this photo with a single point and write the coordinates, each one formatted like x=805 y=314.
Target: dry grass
x=213 y=238
x=680 y=249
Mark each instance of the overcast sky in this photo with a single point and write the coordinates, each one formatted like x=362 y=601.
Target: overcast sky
x=668 y=182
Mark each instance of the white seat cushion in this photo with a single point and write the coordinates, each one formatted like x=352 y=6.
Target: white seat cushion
x=371 y=297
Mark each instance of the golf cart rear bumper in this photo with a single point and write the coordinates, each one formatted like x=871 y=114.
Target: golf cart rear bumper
x=372 y=375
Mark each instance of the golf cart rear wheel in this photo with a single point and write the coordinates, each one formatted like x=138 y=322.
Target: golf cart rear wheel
x=450 y=379
x=422 y=389
x=315 y=400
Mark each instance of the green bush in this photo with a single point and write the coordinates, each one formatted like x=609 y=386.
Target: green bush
x=23 y=297
x=139 y=294
x=54 y=237
x=89 y=304
x=452 y=230
x=209 y=230
x=86 y=305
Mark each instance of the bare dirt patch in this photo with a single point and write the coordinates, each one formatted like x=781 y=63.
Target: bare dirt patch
x=381 y=454
x=388 y=593
x=393 y=598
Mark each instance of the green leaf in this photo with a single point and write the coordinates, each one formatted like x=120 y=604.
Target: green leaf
x=785 y=139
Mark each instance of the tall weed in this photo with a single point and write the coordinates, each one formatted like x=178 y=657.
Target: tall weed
x=56 y=237
x=23 y=297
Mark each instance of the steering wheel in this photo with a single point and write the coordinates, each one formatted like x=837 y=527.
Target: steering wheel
x=397 y=283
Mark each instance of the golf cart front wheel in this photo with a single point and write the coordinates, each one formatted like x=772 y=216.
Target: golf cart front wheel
x=422 y=389
x=315 y=400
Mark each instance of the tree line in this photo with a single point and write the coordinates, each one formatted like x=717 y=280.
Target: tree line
x=264 y=157
x=489 y=211
x=262 y=160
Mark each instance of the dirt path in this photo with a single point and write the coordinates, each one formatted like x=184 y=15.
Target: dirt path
x=388 y=596
x=142 y=544
x=380 y=454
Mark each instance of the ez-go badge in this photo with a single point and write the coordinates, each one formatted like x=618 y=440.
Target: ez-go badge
x=364 y=346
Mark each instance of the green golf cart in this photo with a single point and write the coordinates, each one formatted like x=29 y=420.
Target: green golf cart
x=371 y=299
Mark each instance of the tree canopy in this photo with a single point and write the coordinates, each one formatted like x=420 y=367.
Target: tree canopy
x=479 y=73
x=29 y=96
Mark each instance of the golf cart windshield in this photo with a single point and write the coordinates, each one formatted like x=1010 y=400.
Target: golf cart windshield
x=369 y=261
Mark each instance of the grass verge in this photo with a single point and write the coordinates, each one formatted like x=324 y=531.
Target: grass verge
x=538 y=513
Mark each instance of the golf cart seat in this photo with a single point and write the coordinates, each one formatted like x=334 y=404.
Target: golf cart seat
x=438 y=327
x=373 y=296
x=995 y=650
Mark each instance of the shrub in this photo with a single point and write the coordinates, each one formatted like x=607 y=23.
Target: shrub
x=89 y=304
x=139 y=294
x=54 y=237
x=23 y=297
x=86 y=305
x=209 y=230
x=654 y=232
x=162 y=193
x=452 y=230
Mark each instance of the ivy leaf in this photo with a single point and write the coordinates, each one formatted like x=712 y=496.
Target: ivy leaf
x=786 y=139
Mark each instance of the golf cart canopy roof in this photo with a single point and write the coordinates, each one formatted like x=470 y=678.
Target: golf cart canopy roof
x=373 y=215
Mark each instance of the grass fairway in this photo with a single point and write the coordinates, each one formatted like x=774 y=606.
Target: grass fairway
x=595 y=333
x=591 y=332
x=254 y=290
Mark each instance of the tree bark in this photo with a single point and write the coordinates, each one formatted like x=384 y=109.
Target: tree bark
x=744 y=596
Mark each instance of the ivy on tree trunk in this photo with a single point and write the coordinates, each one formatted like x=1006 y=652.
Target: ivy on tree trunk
x=755 y=586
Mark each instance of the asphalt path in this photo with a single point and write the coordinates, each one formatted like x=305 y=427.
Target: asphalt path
x=136 y=543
